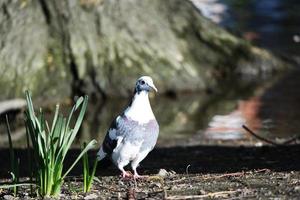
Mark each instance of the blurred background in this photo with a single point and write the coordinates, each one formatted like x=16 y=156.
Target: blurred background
x=218 y=64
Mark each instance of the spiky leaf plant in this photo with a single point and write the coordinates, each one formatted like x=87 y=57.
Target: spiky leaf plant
x=88 y=176
x=51 y=145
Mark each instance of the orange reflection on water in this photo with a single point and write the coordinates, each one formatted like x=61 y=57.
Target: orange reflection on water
x=230 y=126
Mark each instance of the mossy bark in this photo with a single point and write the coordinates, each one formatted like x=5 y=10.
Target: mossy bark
x=61 y=48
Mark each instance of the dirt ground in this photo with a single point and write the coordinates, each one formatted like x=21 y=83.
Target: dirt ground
x=251 y=184
x=263 y=184
x=196 y=172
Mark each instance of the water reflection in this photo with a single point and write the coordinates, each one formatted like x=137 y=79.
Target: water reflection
x=282 y=110
x=273 y=111
x=197 y=118
x=230 y=126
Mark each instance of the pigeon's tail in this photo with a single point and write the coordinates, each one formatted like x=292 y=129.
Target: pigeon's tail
x=101 y=154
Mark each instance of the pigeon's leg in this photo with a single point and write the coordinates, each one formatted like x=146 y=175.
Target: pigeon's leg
x=125 y=174
x=135 y=163
x=136 y=175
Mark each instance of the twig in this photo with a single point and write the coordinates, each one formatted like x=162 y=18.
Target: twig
x=262 y=170
x=210 y=177
x=213 y=194
x=226 y=175
x=293 y=139
x=187 y=169
x=221 y=176
x=259 y=137
x=237 y=174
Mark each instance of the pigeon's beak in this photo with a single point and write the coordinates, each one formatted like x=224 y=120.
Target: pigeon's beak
x=153 y=87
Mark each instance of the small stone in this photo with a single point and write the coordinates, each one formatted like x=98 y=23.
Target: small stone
x=297 y=189
x=91 y=196
x=202 y=192
x=8 y=197
x=163 y=173
x=259 y=144
x=296 y=38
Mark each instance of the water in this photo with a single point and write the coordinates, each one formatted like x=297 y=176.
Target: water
x=273 y=24
x=272 y=110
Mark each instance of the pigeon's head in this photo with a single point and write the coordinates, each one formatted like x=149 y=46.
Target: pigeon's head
x=144 y=83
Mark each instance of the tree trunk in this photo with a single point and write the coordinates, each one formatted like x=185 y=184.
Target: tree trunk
x=61 y=48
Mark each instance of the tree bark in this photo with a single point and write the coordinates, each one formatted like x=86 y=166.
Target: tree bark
x=62 y=48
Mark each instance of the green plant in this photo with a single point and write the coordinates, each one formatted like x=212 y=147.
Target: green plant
x=29 y=162
x=14 y=162
x=87 y=176
x=50 y=146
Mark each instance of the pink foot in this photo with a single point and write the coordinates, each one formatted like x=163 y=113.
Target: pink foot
x=126 y=175
x=137 y=176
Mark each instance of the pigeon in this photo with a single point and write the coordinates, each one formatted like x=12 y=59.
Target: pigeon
x=133 y=134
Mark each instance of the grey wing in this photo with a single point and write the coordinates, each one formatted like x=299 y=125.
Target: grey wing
x=151 y=136
x=110 y=140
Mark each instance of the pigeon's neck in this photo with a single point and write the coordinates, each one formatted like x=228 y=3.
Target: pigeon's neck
x=140 y=108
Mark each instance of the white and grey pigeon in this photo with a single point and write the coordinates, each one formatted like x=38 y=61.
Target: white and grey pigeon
x=133 y=134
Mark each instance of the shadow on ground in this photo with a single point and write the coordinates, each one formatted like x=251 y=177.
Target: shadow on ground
x=200 y=159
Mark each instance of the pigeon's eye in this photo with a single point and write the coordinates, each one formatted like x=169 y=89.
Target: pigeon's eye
x=142 y=82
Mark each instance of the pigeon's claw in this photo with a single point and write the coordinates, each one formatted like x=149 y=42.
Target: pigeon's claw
x=126 y=174
x=137 y=176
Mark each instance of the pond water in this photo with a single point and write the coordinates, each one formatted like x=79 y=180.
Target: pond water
x=271 y=110
x=273 y=24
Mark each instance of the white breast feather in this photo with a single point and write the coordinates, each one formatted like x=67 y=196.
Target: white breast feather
x=140 y=109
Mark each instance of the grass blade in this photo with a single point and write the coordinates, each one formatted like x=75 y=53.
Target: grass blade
x=29 y=160
x=11 y=150
x=88 y=147
x=14 y=167
x=15 y=185
x=78 y=121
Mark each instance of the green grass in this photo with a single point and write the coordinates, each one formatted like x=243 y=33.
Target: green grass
x=88 y=177
x=14 y=162
x=51 y=145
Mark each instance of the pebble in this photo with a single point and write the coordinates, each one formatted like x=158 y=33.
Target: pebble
x=8 y=197
x=165 y=173
x=258 y=144
x=91 y=196
x=296 y=38
x=297 y=188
